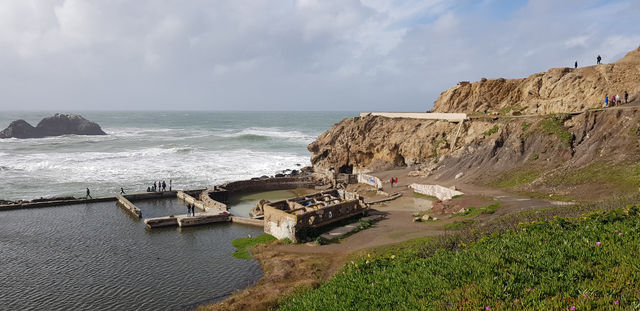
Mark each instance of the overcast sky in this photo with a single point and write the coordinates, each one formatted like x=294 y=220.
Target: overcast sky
x=358 y=55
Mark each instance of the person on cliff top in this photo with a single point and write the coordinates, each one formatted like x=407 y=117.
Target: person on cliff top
x=618 y=99
x=164 y=186
x=626 y=97
x=575 y=65
x=606 y=101
x=122 y=190
x=599 y=58
x=391 y=181
x=88 y=194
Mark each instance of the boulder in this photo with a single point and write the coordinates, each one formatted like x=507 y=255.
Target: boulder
x=59 y=124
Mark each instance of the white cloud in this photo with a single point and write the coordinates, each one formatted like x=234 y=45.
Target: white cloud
x=327 y=54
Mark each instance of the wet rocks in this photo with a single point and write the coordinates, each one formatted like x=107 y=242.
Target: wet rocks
x=56 y=125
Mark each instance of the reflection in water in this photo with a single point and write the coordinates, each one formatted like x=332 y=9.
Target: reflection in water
x=95 y=257
x=240 y=205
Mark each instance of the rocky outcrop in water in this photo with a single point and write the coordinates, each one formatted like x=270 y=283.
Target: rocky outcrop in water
x=57 y=125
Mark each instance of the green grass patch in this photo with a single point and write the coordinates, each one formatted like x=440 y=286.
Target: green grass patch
x=457 y=196
x=516 y=178
x=424 y=196
x=554 y=125
x=618 y=176
x=492 y=130
x=243 y=245
x=589 y=262
x=459 y=224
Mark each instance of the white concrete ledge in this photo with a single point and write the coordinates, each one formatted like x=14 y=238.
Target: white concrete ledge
x=437 y=191
x=451 y=117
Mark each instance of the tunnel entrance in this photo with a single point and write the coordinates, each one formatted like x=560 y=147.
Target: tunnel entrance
x=346 y=169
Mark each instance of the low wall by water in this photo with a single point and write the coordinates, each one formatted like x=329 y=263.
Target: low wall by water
x=128 y=206
x=247 y=221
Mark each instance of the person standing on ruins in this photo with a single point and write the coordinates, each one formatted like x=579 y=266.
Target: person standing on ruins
x=88 y=195
x=599 y=58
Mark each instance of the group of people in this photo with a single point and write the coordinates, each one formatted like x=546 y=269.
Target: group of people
x=613 y=100
x=598 y=61
x=159 y=186
x=394 y=181
x=191 y=210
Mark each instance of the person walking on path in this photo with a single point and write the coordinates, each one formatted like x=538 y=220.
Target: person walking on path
x=164 y=186
x=599 y=58
x=169 y=184
x=618 y=99
x=193 y=210
x=88 y=195
x=575 y=66
x=626 y=97
x=606 y=101
x=188 y=209
x=122 y=190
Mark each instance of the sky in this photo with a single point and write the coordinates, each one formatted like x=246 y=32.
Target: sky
x=353 y=55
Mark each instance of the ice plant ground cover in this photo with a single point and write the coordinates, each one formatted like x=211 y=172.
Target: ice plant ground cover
x=584 y=263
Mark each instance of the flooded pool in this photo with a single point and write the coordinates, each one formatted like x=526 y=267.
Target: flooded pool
x=97 y=257
x=240 y=205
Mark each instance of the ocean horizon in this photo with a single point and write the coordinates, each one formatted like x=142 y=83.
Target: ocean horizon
x=192 y=149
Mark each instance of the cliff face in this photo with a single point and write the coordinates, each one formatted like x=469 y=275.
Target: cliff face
x=555 y=91
x=550 y=146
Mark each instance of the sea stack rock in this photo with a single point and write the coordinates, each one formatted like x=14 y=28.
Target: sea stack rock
x=57 y=125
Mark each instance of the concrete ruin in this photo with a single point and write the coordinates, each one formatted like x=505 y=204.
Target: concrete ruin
x=440 y=192
x=298 y=217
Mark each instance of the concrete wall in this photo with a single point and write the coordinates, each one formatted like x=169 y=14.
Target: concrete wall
x=440 y=192
x=128 y=206
x=211 y=204
x=289 y=219
x=370 y=180
x=280 y=224
x=268 y=184
x=451 y=117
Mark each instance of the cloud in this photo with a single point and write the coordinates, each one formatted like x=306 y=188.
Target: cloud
x=288 y=55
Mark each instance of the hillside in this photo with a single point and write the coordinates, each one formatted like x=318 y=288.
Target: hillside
x=556 y=91
x=566 y=155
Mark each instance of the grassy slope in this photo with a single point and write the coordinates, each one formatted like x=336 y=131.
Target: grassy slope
x=546 y=265
x=243 y=245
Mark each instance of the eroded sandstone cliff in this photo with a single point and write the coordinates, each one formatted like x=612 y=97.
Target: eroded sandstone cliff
x=555 y=91
x=545 y=152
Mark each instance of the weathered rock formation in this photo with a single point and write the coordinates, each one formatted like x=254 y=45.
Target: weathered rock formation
x=555 y=91
x=59 y=124
x=486 y=149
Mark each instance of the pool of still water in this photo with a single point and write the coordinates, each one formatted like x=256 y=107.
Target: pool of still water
x=97 y=257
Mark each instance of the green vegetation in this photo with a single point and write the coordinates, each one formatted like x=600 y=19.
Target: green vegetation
x=492 y=130
x=618 y=176
x=457 y=196
x=243 y=245
x=525 y=126
x=589 y=262
x=554 y=125
x=505 y=111
x=516 y=178
x=424 y=196
x=437 y=144
x=535 y=156
x=459 y=224
x=475 y=211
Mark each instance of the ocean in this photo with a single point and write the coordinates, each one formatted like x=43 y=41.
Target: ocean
x=192 y=149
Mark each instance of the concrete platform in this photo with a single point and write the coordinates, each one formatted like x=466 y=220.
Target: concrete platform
x=128 y=206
